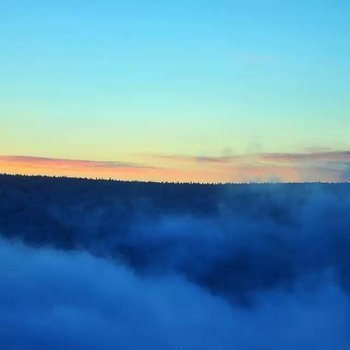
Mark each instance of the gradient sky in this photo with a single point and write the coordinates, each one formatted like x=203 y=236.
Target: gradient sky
x=210 y=91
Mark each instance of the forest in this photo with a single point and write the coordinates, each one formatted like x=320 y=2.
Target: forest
x=102 y=264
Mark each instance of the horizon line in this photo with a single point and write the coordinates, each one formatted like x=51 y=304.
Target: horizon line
x=177 y=183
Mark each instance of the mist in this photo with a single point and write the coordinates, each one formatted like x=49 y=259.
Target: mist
x=106 y=265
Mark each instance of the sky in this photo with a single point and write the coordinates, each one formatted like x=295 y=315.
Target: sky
x=203 y=91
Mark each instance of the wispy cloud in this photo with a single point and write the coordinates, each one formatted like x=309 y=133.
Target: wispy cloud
x=71 y=163
x=102 y=169
x=265 y=156
x=317 y=165
x=195 y=158
x=329 y=166
x=77 y=168
x=306 y=156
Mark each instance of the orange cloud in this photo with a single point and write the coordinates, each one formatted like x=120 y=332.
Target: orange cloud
x=98 y=169
x=264 y=167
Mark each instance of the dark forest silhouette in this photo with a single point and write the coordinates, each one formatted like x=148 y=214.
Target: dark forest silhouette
x=271 y=253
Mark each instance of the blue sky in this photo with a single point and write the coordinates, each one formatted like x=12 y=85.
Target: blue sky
x=115 y=80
